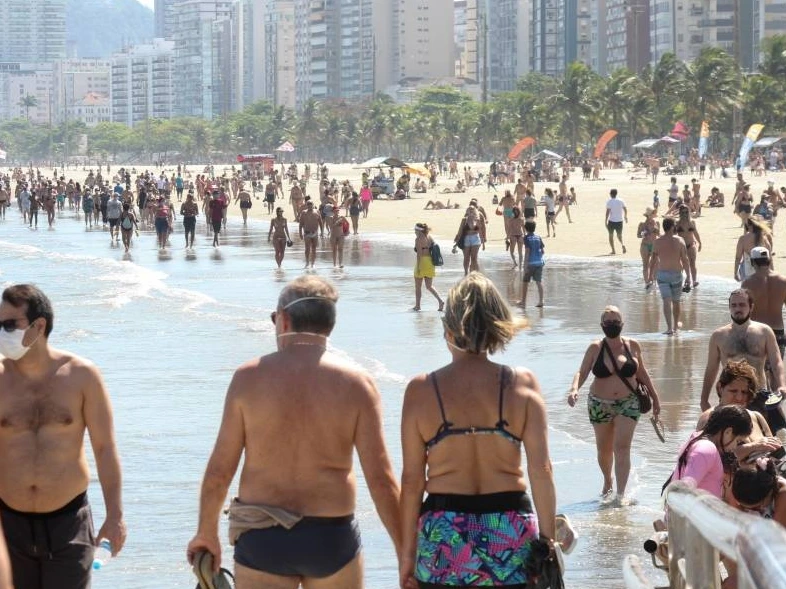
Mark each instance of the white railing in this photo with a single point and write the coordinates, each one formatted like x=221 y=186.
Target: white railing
x=702 y=529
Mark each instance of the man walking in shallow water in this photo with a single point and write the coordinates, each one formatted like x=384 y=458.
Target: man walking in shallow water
x=297 y=415
x=49 y=399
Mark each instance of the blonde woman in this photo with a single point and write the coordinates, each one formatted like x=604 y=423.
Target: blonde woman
x=424 y=265
x=462 y=430
x=471 y=237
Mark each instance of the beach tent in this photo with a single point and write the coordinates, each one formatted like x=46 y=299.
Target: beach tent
x=646 y=144
x=547 y=154
x=767 y=141
x=383 y=162
x=286 y=147
x=668 y=139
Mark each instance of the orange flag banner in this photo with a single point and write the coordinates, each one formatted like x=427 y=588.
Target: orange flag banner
x=523 y=144
x=603 y=142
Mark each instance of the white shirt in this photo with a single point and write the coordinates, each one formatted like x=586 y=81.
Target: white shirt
x=616 y=212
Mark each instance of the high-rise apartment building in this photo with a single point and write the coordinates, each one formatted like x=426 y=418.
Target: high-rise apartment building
x=164 y=18
x=334 y=50
x=143 y=82
x=278 y=54
x=33 y=31
x=423 y=41
x=197 y=39
x=624 y=28
x=497 y=43
x=685 y=26
x=769 y=18
x=549 y=19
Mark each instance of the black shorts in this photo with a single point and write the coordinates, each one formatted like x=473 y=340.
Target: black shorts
x=189 y=223
x=270 y=197
x=316 y=547
x=529 y=213
x=51 y=550
x=114 y=223
x=217 y=226
x=615 y=226
x=745 y=209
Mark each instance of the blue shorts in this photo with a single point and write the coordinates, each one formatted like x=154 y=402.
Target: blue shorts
x=670 y=284
x=472 y=240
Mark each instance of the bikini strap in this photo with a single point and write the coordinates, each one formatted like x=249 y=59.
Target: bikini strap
x=445 y=422
x=503 y=379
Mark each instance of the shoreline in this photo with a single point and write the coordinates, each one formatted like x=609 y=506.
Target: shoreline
x=585 y=238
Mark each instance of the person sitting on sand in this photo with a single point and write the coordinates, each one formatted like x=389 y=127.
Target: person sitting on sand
x=716 y=199
x=438 y=205
x=420 y=186
x=459 y=188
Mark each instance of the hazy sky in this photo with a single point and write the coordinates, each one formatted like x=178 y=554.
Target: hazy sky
x=148 y=3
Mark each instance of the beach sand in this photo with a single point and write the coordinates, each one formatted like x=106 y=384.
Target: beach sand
x=586 y=237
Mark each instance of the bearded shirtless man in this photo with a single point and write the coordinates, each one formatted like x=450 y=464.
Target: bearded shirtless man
x=326 y=409
x=50 y=398
x=310 y=227
x=743 y=339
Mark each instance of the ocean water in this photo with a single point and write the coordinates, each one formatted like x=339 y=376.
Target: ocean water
x=168 y=331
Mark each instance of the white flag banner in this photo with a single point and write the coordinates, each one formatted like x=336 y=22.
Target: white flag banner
x=2 y=154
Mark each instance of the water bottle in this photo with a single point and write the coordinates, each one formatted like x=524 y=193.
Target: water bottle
x=102 y=554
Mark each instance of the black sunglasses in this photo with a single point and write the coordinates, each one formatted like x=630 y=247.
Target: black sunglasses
x=273 y=317
x=10 y=325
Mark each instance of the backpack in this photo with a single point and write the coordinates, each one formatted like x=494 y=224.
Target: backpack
x=436 y=254
x=126 y=223
x=345 y=227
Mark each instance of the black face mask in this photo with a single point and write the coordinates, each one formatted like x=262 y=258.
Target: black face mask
x=612 y=329
x=740 y=321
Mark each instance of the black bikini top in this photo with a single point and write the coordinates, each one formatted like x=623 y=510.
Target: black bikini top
x=627 y=370
x=447 y=429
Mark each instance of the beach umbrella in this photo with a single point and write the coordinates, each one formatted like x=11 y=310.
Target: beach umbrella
x=417 y=169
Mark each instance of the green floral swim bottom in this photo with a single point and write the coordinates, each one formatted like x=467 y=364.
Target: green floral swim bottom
x=604 y=410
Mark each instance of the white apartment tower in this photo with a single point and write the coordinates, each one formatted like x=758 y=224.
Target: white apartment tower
x=423 y=44
x=278 y=54
x=33 y=31
x=143 y=83
x=334 y=50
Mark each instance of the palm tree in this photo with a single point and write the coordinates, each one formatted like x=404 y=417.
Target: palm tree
x=664 y=81
x=711 y=87
x=773 y=54
x=577 y=100
x=26 y=102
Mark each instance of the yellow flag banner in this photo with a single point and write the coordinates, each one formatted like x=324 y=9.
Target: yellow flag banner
x=750 y=138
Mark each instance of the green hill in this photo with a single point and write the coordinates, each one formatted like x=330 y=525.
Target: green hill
x=98 y=28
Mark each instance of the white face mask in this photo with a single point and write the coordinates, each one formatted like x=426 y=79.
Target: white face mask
x=11 y=344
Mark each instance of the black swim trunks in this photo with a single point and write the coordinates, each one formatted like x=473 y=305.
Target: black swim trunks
x=316 y=547
x=51 y=550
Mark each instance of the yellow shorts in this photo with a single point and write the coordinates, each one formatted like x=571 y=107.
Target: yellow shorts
x=424 y=268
